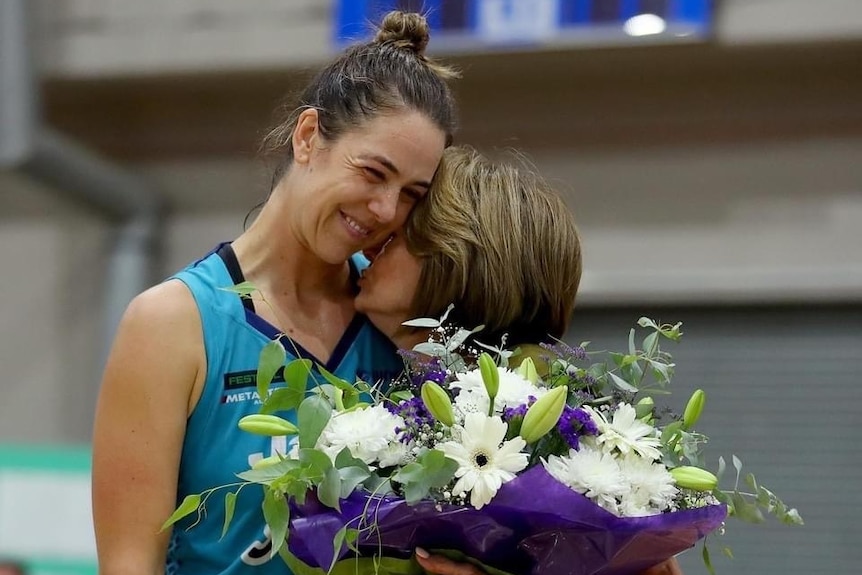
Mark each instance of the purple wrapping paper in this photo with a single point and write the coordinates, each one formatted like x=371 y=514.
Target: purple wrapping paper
x=534 y=524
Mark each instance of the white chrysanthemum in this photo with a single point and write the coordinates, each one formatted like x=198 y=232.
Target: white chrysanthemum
x=625 y=432
x=592 y=472
x=368 y=433
x=470 y=401
x=514 y=390
x=485 y=461
x=652 y=487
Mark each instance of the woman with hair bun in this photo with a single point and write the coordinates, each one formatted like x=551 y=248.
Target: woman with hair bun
x=360 y=149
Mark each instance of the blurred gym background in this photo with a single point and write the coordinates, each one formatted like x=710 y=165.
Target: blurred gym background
x=712 y=151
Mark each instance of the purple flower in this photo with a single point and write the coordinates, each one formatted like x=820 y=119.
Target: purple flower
x=574 y=423
x=509 y=413
x=565 y=351
x=415 y=415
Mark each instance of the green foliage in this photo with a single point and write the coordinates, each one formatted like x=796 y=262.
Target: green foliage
x=431 y=469
x=289 y=397
x=271 y=360
x=189 y=505
x=229 y=508
x=312 y=416
x=276 y=512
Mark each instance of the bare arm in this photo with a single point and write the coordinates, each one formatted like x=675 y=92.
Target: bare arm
x=152 y=378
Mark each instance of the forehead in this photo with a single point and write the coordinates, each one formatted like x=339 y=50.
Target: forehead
x=407 y=139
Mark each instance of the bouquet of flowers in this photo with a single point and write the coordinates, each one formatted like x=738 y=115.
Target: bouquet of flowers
x=545 y=459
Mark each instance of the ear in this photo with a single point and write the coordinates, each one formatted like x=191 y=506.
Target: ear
x=305 y=135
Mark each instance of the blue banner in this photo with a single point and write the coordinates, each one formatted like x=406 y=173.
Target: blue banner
x=469 y=24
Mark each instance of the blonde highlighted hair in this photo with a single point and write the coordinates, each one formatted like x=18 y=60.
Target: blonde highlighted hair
x=498 y=242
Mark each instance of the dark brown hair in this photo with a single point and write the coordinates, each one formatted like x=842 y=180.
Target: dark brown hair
x=388 y=73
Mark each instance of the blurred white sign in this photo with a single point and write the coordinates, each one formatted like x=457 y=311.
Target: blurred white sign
x=517 y=20
x=45 y=514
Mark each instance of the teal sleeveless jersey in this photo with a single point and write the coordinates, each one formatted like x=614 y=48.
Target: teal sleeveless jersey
x=214 y=449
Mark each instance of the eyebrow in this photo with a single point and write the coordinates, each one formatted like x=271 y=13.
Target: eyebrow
x=386 y=163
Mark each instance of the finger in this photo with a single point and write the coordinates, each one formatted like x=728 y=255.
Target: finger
x=669 y=567
x=439 y=565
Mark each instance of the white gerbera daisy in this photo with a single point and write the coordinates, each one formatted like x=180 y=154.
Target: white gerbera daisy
x=514 y=390
x=485 y=461
x=652 y=487
x=625 y=432
x=593 y=473
x=369 y=433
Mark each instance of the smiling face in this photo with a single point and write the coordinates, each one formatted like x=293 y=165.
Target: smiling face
x=355 y=192
x=387 y=287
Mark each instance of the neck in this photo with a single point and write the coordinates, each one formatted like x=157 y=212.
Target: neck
x=407 y=337
x=271 y=257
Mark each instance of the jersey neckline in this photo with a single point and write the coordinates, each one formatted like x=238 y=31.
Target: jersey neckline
x=228 y=257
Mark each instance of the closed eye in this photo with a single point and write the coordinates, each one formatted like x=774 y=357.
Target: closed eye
x=374 y=173
x=414 y=194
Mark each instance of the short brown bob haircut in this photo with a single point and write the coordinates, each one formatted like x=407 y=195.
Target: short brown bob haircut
x=500 y=244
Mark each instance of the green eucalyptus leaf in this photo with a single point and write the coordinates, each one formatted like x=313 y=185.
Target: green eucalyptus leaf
x=190 y=504
x=672 y=332
x=283 y=399
x=721 y=467
x=335 y=380
x=670 y=432
x=432 y=469
x=632 y=348
x=663 y=372
x=631 y=371
x=271 y=360
x=346 y=459
x=706 y=559
x=314 y=464
x=266 y=475
x=276 y=513
x=399 y=396
x=351 y=478
x=337 y=544
x=745 y=510
x=792 y=517
x=647 y=322
x=312 y=416
x=229 y=507
x=422 y=322
x=429 y=348
x=349 y=395
x=622 y=384
x=244 y=289
x=329 y=490
x=650 y=344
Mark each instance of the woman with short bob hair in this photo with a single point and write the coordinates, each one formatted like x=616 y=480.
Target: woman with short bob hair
x=495 y=240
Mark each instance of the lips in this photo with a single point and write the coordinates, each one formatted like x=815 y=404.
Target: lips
x=358 y=229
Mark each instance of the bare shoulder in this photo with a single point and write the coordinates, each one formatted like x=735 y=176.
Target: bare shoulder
x=155 y=366
x=159 y=343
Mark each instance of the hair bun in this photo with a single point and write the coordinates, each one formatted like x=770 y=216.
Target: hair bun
x=405 y=29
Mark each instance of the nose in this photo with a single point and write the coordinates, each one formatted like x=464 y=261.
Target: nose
x=384 y=205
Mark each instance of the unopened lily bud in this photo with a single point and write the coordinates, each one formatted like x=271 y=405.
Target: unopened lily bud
x=266 y=462
x=689 y=477
x=437 y=402
x=272 y=425
x=644 y=407
x=544 y=414
x=490 y=375
x=693 y=409
x=527 y=370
